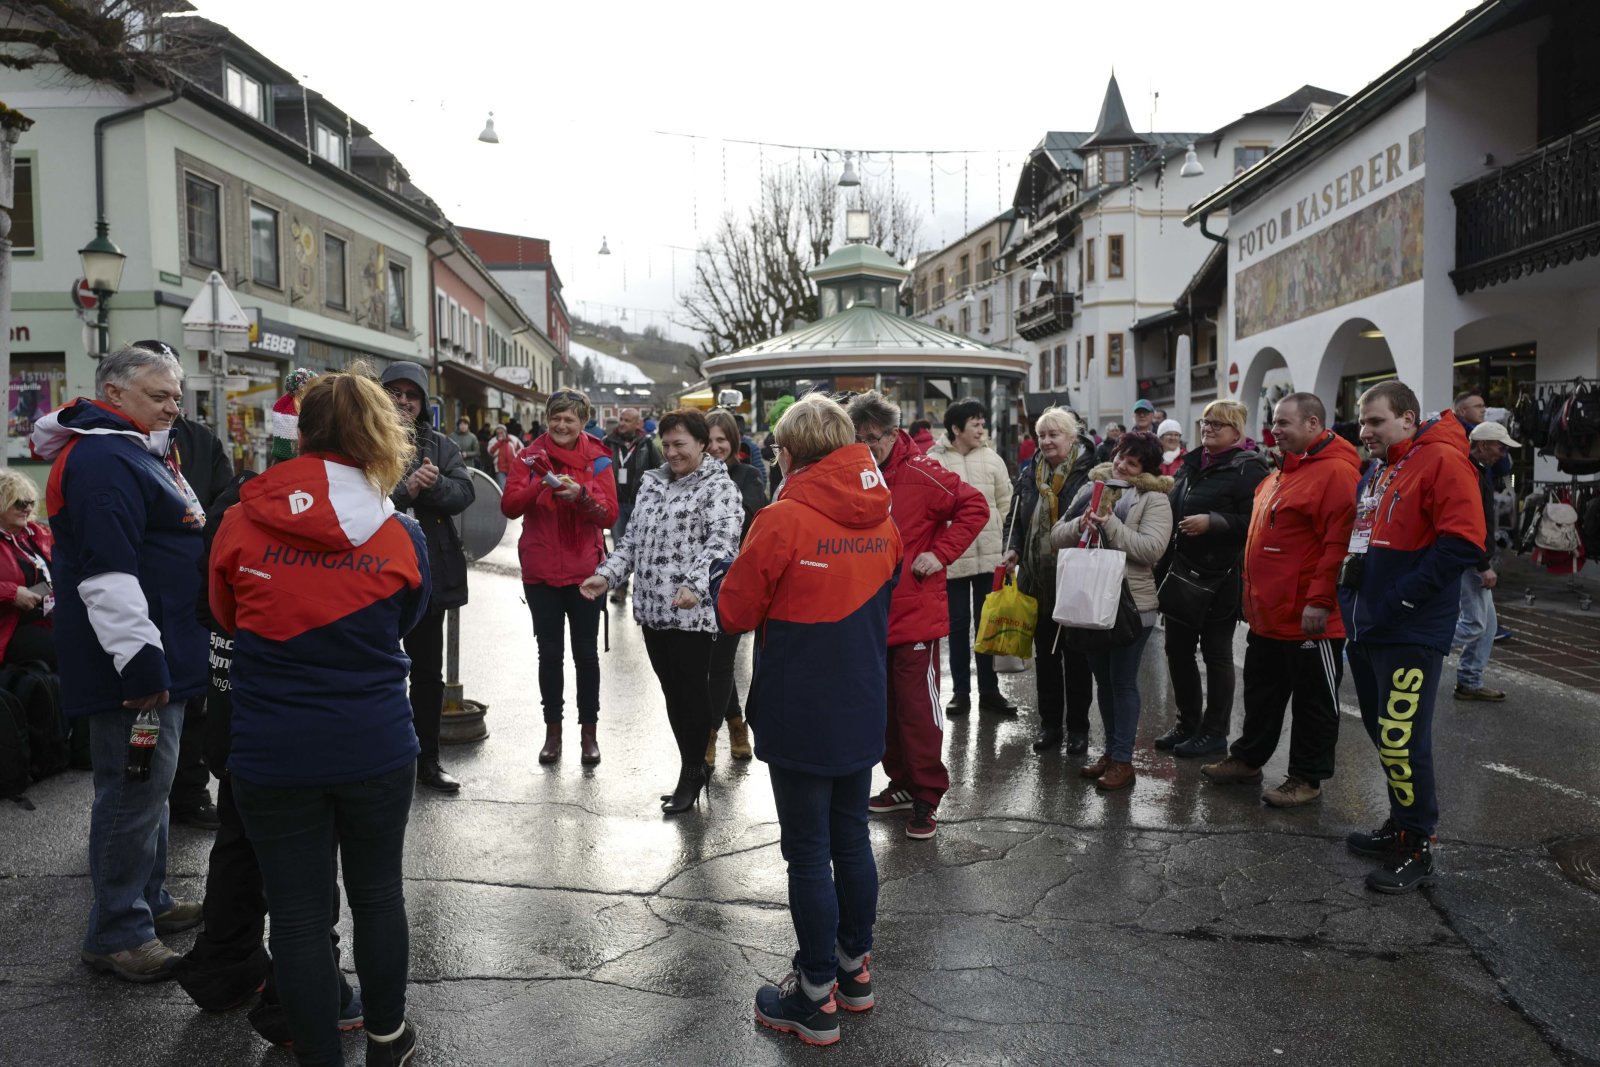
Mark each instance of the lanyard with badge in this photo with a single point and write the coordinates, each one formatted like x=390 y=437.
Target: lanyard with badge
x=1350 y=571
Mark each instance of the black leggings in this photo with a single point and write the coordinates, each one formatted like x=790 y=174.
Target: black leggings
x=425 y=645
x=724 y=693
x=682 y=662
x=556 y=609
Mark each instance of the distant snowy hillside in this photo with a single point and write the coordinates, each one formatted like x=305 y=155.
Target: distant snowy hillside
x=609 y=369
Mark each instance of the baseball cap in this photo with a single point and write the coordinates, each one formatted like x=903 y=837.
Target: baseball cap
x=1493 y=431
x=1143 y=405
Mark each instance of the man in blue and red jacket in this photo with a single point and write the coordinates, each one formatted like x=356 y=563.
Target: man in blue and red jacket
x=1419 y=525
x=938 y=515
x=128 y=537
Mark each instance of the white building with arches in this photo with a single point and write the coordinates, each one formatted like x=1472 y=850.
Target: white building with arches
x=1441 y=225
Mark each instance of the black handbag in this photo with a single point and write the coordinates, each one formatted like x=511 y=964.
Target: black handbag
x=1186 y=595
x=1124 y=632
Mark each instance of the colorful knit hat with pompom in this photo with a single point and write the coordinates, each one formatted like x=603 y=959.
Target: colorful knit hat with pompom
x=286 y=415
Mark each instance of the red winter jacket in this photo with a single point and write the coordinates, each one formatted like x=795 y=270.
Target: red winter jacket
x=936 y=512
x=34 y=537
x=562 y=541
x=1299 y=534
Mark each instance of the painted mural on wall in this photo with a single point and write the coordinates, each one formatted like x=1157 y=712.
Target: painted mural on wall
x=303 y=247
x=1376 y=249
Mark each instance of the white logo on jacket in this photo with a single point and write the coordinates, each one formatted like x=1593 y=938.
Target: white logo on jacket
x=871 y=478
x=299 y=501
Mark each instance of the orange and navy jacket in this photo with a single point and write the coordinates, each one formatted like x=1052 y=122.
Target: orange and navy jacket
x=129 y=535
x=1299 y=534
x=814 y=580
x=318 y=578
x=1427 y=529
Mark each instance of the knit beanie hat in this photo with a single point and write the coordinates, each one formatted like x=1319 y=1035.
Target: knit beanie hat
x=286 y=415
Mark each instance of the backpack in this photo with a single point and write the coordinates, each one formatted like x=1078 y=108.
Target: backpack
x=14 y=774
x=38 y=692
x=1558 y=528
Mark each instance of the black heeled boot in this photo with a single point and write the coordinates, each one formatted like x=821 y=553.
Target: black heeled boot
x=691 y=780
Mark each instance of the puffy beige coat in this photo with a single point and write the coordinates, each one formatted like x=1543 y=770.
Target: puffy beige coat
x=1144 y=536
x=986 y=472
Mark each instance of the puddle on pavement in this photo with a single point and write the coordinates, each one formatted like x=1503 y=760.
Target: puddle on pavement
x=1579 y=859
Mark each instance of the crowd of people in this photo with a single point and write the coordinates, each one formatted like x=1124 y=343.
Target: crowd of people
x=296 y=618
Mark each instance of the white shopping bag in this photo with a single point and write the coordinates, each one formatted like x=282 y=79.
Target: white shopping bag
x=1089 y=587
x=1010 y=665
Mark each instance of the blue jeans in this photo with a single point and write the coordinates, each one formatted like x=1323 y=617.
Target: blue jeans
x=293 y=831
x=1475 y=629
x=1116 y=675
x=128 y=832
x=823 y=820
x=966 y=596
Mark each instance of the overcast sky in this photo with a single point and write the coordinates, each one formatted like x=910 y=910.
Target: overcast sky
x=579 y=89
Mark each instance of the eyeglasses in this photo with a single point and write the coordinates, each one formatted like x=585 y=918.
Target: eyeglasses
x=1213 y=424
x=24 y=505
x=872 y=438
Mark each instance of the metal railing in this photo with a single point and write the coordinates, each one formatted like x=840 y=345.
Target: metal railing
x=1539 y=212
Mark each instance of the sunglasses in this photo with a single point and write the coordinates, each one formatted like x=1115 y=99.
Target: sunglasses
x=24 y=505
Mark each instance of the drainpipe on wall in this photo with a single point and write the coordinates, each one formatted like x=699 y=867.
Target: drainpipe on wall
x=1221 y=239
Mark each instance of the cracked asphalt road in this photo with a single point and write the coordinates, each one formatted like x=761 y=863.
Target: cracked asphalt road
x=557 y=917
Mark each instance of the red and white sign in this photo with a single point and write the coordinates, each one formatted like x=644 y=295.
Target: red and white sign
x=84 y=297
x=1233 y=377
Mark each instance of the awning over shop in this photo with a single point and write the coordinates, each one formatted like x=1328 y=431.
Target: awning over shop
x=480 y=378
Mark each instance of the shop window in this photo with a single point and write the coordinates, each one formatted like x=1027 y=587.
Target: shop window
x=333 y=271
x=1113 y=353
x=264 y=245
x=397 y=296
x=203 y=221
x=23 y=227
x=1114 y=256
x=38 y=385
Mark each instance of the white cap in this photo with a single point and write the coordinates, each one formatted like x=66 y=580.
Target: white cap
x=1493 y=431
x=1170 y=426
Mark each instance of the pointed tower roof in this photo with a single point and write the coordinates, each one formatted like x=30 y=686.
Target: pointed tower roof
x=1113 y=127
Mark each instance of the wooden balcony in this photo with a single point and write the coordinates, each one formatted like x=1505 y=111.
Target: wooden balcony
x=1044 y=316
x=1540 y=212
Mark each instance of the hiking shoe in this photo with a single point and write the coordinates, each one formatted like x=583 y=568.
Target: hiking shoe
x=1479 y=692
x=150 y=962
x=396 y=1053
x=1292 y=793
x=891 y=799
x=1201 y=745
x=269 y=1020
x=853 y=990
x=786 y=1008
x=179 y=917
x=1379 y=842
x=739 y=738
x=1231 y=770
x=1409 y=867
x=922 y=825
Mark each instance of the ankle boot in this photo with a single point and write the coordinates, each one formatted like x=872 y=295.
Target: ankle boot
x=690 y=781
x=738 y=738
x=552 y=743
x=587 y=745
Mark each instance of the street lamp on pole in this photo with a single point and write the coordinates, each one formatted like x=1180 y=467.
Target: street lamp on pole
x=102 y=273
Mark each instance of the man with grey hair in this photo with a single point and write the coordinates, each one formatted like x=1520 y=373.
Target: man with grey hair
x=938 y=516
x=128 y=540
x=632 y=453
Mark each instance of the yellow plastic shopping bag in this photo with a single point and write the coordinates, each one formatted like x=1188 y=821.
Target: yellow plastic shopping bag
x=1009 y=616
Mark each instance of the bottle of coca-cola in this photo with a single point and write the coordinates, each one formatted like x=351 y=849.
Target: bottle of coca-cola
x=142 y=744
